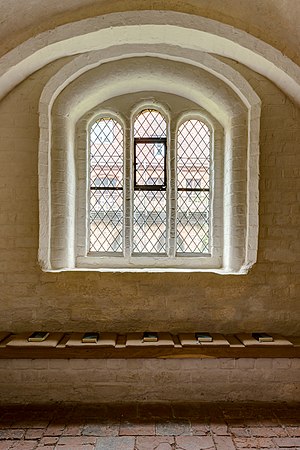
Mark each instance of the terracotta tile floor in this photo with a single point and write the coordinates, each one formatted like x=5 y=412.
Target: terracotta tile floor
x=149 y=427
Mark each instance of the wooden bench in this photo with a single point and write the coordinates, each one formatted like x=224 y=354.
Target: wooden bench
x=113 y=345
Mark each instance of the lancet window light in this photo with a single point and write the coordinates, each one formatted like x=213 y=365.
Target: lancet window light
x=169 y=204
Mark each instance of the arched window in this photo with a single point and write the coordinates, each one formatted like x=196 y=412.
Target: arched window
x=193 y=188
x=163 y=210
x=150 y=183
x=106 y=186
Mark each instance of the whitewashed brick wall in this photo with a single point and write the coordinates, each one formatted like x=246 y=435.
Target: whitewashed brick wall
x=267 y=298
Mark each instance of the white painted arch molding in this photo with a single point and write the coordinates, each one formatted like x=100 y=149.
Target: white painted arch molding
x=90 y=60
x=154 y=27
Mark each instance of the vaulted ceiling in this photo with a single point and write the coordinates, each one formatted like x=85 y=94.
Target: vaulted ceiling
x=273 y=21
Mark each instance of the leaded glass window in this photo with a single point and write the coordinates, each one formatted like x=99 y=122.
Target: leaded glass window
x=155 y=216
x=193 y=188
x=150 y=182
x=106 y=186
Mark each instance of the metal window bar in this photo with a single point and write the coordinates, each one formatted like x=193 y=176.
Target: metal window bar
x=149 y=221
x=149 y=160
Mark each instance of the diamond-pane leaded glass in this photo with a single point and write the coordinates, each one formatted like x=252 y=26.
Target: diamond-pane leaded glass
x=193 y=185
x=106 y=221
x=150 y=123
x=193 y=222
x=150 y=164
x=106 y=153
x=106 y=181
x=149 y=203
x=193 y=154
x=149 y=222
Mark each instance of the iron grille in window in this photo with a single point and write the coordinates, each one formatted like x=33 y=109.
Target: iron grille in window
x=193 y=188
x=149 y=203
x=106 y=186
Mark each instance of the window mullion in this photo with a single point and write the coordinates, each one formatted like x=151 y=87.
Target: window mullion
x=128 y=195
x=171 y=205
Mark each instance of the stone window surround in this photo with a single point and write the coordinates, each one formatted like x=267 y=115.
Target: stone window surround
x=238 y=255
x=160 y=263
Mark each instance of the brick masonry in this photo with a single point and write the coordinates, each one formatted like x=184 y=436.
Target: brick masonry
x=266 y=299
x=197 y=426
x=149 y=380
